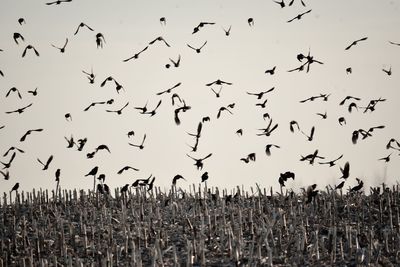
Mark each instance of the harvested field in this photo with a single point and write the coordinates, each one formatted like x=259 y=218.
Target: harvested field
x=200 y=227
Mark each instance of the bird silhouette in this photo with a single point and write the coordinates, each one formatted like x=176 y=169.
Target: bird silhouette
x=15 y=187
x=355 y=42
x=311 y=136
x=153 y=112
x=127 y=168
x=142 y=109
x=175 y=63
x=62 y=49
x=8 y=164
x=176 y=178
x=124 y=189
x=267 y=131
x=262 y=104
x=159 y=39
x=218 y=82
x=345 y=171
x=270 y=71
x=198 y=50
x=184 y=108
x=21 y=21
x=283 y=177
x=292 y=1
x=33 y=92
x=348 y=98
x=6 y=175
x=150 y=184
x=81 y=25
x=201 y=25
x=292 y=123
x=394 y=43
x=68 y=116
x=81 y=143
x=311 y=193
x=299 y=16
x=12 y=149
x=30 y=47
x=47 y=164
x=239 y=132
x=250 y=21
x=332 y=163
x=324 y=116
x=221 y=109
x=169 y=90
x=19 y=110
x=130 y=134
x=349 y=70
x=57 y=174
x=28 y=133
x=340 y=185
x=281 y=3
x=93 y=171
x=119 y=111
x=17 y=36
x=311 y=157
x=249 y=157
x=70 y=141
x=388 y=72
x=141 y=146
x=199 y=162
x=94 y=104
x=14 y=90
x=268 y=148
x=217 y=94
x=228 y=31
x=58 y=2
x=136 y=56
x=163 y=21
x=100 y=40
x=389 y=144
x=102 y=147
x=205 y=119
x=386 y=159
x=357 y=187
x=259 y=95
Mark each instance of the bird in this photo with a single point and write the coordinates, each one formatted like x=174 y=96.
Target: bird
x=15 y=187
x=14 y=90
x=130 y=134
x=150 y=184
x=141 y=146
x=46 y=166
x=205 y=119
x=389 y=144
x=311 y=157
x=267 y=131
x=184 y=108
x=102 y=147
x=355 y=42
x=324 y=116
x=201 y=25
x=218 y=82
x=167 y=91
x=100 y=40
x=217 y=94
x=357 y=187
x=58 y=2
x=13 y=148
x=262 y=104
x=90 y=76
x=119 y=111
x=299 y=16
x=268 y=148
x=163 y=21
x=70 y=141
x=21 y=21
x=19 y=110
x=6 y=175
x=249 y=157
x=93 y=171
x=388 y=72
x=57 y=175
x=153 y=112
x=8 y=164
x=28 y=133
x=17 y=36
x=386 y=159
x=239 y=132
x=228 y=31
x=222 y=109
x=270 y=71
x=68 y=116
x=127 y=168
x=30 y=47
x=340 y=185
x=291 y=3
x=311 y=193
x=312 y=98
x=345 y=171
x=348 y=98
x=94 y=104
x=33 y=92
x=81 y=143
x=393 y=43
x=311 y=136
x=1 y=73
x=352 y=106
x=259 y=95
x=62 y=49
x=281 y=3
x=198 y=50
x=175 y=63
x=199 y=162
x=136 y=56
x=124 y=189
x=204 y=177
x=292 y=123
x=284 y=176
x=332 y=162
x=159 y=39
x=349 y=70
x=81 y=25
x=176 y=178
x=250 y=21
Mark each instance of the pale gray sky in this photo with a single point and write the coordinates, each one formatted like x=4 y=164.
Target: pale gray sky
x=241 y=58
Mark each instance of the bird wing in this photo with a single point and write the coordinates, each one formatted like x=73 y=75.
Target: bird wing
x=49 y=160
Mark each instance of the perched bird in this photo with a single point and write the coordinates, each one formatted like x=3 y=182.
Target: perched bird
x=81 y=25
x=141 y=146
x=57 y=175
x=198 y=50
x=204 y=177
x=199 y=162
x=299 y=16
x=176 y=178
x=28 y=133
x=62 y=49
x=93 y=171
x=15 y=187
x=30 y=47
x=124 y=189
x=46 y=166
x=355 y=42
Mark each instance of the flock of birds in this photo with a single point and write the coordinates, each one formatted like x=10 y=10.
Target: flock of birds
x=306 y=60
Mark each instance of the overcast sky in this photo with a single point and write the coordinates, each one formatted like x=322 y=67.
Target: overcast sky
x=240 y=58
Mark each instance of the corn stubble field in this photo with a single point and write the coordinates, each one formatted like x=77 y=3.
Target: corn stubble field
x=200 y=227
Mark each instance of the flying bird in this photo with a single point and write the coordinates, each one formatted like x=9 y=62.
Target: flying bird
x=163 y=21
x=228 y=31
x=175 y=63
x=167 y=91
x=388 y=72
x=47 y=164
x=21 y=21
x=17 y=36
x=28 y=133
x=250 y=21
x=8 y=164
x=355 y=42
x=6 y=175
x=198 y=50
x=201 y=25
x=14 y=90
x=176 y=178
x=270 y=71
x=199 y=162
x=345 y=171
x=332 y=163
x=259 y=95
x=159 y=39
x=218 y=82
x=81 y=25
x=283 y=177
x=136 y=56
x=62 y=49
x=299 y=16
x=153 y=112
x=119 y=111
x=33 y=92
x=30 y=47
x=268 y=148
x=58 y=2
x=357 y=187
x=127 y=168
x=141 y=146
x=100 y=40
